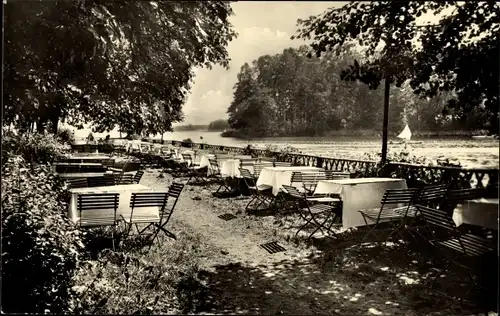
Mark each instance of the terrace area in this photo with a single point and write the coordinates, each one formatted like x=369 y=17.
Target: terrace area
x=262 y=257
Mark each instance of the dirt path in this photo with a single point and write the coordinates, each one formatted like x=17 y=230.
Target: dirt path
x=240 y=277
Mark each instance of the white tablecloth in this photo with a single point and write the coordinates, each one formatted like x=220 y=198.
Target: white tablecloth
x=358 y=194
x=125 y=191
x=480 y=212
x=230 y=168
x=277 y=176
x=205 y=162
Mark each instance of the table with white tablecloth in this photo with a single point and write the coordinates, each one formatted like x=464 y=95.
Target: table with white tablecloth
x=277 y=176
x=481 y=212
x=124 y=190
x=358 y=194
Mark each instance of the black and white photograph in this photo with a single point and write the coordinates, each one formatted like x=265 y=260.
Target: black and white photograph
x=250 y=157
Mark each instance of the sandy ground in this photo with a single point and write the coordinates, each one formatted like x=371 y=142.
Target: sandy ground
x=238 y=276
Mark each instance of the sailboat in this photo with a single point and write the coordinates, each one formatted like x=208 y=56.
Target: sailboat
x=405 y=136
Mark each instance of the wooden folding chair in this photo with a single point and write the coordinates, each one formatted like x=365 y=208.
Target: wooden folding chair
x=189 y=159
x=138 y=176
x=261 y=193
x=145 y=208
x=311 y=212
x=455 y=247
x=98 y=209
x=387 y=215
x=77 y=183
x=224 y=184
x=430 y=195
x=174 y=192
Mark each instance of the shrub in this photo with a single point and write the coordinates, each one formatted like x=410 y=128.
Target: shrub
x=40 y=247
x=33 y=148
x=66 y=135
x=188 y=140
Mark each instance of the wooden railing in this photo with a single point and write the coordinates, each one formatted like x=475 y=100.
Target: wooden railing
x=415 y=175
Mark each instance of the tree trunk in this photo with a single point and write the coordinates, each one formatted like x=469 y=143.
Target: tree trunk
x=386 y=120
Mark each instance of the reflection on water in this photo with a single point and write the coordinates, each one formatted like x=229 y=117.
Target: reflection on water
x=467 y=151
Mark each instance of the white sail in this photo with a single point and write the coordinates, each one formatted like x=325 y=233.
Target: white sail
x=405 y=134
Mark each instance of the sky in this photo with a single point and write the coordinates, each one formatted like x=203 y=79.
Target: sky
x=263 y=28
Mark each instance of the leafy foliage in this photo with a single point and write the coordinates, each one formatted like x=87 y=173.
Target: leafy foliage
x=66 y=135
x=459 y=53
x=40 y=247
x=108 y=63
x=38 y=148
x=290 y=94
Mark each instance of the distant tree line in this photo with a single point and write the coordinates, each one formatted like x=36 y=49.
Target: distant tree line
x=190 y=127
x=291 y=94
x=448 y=82
x=218 y=125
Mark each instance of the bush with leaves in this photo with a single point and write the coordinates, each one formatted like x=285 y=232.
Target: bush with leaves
x=66 y=135
x=40 y=247
x=34 y=148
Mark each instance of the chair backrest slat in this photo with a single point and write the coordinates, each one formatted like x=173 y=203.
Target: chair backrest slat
x=296 y=177
x=397 y=196
x=334 y=175
x=257 y=169
x=432 y=195
x=281 y=164
x=138 y=176
x=77 y=183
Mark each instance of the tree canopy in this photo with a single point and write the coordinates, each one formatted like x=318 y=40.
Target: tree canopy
x=290 y=94
x=125 y=64
x=460 y=53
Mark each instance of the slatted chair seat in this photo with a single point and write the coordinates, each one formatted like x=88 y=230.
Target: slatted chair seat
x=471 y=245
x=374 y=213
x=261 y=187
x=143 y=218
x=97 y=221
x=319 y=208
x=323 y=199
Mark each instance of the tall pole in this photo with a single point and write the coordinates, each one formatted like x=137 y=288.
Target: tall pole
x=386 y=120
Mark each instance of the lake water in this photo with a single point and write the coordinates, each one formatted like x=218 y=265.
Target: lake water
x=467 y=151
